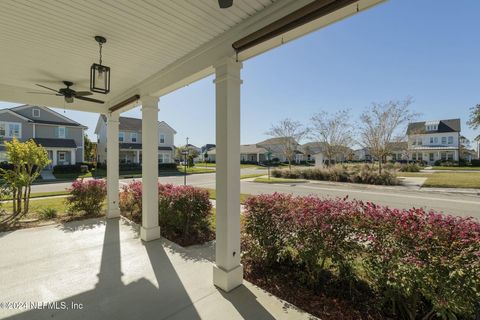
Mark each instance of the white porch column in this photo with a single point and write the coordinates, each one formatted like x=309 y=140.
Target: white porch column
x=227 y=271
x=73 y=154
x=150 y=229
x=137 y=156
x=113 y=210
x=54 y=157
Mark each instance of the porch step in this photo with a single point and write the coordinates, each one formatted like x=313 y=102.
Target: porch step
x=47 y=175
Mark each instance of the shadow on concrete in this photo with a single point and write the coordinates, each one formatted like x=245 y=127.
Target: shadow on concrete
x=245 y=302
x=112 y=299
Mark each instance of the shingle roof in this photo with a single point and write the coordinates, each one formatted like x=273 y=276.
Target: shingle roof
x=275 y=141
x=55 y=143
x=131 y=124
x=449 y=125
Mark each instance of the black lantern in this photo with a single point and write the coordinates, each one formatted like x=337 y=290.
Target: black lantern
x=100 y=74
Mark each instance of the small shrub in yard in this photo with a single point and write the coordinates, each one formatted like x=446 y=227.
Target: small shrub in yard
x=184 y=211
x=47 y=213
x=420 y=264
x=409 y=167
x=87 y=196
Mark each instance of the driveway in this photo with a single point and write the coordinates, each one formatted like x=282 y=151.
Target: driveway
x=100 y=269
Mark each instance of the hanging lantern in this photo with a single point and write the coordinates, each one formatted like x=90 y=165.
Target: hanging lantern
x=100 y=74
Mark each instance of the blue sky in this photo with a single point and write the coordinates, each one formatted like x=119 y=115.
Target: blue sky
x=427 y=49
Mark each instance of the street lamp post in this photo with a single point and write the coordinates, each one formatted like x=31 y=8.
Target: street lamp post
x=185 y=154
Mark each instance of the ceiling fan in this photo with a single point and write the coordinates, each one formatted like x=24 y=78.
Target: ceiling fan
x=68 y=93
x=225 y=3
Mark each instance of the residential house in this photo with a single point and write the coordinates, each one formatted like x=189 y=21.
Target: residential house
x=430 y=141
x=312 y=151
x=62 y=137
x=362 y=154
x=276 y=147
x=204 y=149
x=130 y=140
x=398 y=151
x=249 y=153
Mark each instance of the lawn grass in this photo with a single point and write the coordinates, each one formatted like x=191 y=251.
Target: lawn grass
x=54 y=203
x=278 y=180
x=44 y=194
x=414 y=174
x=453 y=180
x=456 y=168
x=213 y=195
x=251 y=175
x=191 y=170
x=72 y=176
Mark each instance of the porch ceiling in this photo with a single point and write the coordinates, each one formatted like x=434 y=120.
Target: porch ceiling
x=153 y=47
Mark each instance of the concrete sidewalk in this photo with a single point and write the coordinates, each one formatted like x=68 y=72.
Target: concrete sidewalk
x=102 y=266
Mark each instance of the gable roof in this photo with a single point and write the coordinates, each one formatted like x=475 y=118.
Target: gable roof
x=278 y=140
x=15 y=114
x=448 y=125
x=133 y=124
x=63 y=120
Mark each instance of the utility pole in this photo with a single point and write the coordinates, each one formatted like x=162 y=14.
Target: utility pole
x=185 y=153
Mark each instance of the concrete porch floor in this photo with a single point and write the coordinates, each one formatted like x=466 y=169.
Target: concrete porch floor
x=104 y=266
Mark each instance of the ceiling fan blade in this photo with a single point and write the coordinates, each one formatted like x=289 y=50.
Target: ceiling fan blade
x=46 y=87
x=90 y=99
x=225 y=3
x=83 y=93
x=51 y=94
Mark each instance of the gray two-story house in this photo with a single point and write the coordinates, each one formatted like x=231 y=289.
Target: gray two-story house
x=130 y=139
x=60 y=136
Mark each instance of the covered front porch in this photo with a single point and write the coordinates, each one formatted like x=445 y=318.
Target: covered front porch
x=100 y=270
x=166 y=48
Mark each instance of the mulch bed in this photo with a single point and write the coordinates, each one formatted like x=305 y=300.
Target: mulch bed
x=330 y=300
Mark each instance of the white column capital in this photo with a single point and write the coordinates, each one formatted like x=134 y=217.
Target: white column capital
x=149 y=102
x=113 y=117
x=227 y=69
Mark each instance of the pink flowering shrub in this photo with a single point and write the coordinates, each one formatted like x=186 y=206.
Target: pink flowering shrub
x=87 y=196
x=420 y=263
x=184 y=211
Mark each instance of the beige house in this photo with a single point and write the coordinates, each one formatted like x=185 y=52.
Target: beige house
x=249 y=153
x=130 y=140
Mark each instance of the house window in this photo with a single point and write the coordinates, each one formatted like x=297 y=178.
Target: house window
x=431 y=139
x=162 y=138
x=133 y=136
x=160 y=158
x=450 y=156
x=61 y=132
x=2 y=129
x=414 y=141
x=121 y=136
x=432 y=157
x=444 y=140
x=450 y=140
x=61 y=156
x=414 y=156
x=419 y=141
x=443 y=155
x=36 y=113
x=166 y=158
x=14 y=130
x=435 y=140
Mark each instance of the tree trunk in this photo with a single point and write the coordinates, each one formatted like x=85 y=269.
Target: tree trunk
x=289 y=164
x=26 y=205
x=380 y=165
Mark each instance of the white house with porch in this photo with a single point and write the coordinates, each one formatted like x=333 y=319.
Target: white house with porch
x=130 y=140
x=153 y=48
x=429 y=141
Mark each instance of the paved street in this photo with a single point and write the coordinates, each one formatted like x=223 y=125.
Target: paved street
x=457 y=204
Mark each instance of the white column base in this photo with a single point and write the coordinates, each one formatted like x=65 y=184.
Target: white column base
x=113 y=212
x=227 y=280
x=149 y=234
